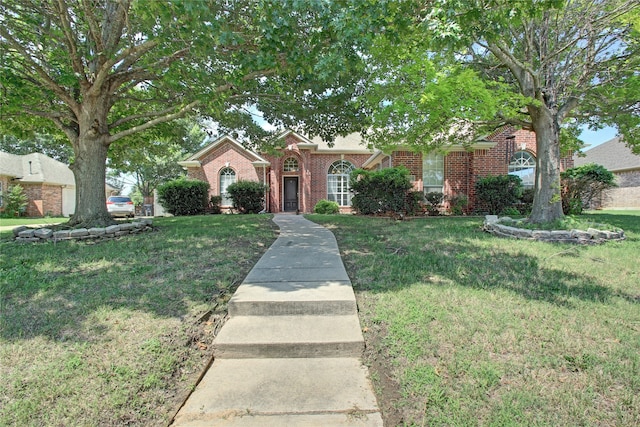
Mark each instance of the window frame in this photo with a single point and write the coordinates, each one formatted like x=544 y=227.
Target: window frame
x=435 y=182
x=286 y=165
x=517 y=164
x=338 y=189
x=224 y=183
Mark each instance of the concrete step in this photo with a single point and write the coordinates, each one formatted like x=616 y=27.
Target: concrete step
x=273 y=271
x=293 y=298
x=282 y=392
x=289 y=337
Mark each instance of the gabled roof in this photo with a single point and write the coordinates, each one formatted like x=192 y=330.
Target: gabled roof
x=351 y=143
x=613 y=155
x=194 y=160
x=36 y=168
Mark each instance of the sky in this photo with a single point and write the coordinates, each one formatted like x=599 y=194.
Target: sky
x=595 y=138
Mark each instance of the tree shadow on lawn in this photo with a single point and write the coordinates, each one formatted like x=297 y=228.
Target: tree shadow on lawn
x=469 y=261
x=52 y=290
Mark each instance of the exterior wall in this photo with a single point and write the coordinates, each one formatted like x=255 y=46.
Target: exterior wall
x=412 y=161
x=463 y=168
x=627 y=194
x=216 y=160
x=4 y=187
x=312 y=175
x=68 y=201
x=43 y=200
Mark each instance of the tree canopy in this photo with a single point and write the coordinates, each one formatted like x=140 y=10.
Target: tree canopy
x=549 y=66
x=102 y=71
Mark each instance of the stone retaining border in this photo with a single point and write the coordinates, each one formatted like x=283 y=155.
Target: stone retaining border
x=590 y=236
x=24 y=234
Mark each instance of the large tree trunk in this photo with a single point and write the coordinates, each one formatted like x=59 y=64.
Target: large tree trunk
x=89 y=167
x=547 y=201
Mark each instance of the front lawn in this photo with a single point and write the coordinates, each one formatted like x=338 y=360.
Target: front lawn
x=117 y=332
x=463 y=328
x=14 y=222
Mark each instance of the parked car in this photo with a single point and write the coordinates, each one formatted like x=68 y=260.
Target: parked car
x=121 y=206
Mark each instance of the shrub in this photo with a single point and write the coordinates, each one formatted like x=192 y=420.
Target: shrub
x=526 y=201
x=497 y=193
x=15 y=201
x=247 y=196
x=583 y=186
x=184 y=196
x=381 y=192
x=326 y=207
x=434 y=200
x=458 y=203
x=414 y=202
x=214 y=204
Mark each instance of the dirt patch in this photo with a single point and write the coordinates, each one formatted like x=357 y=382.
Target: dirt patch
x=377 y=358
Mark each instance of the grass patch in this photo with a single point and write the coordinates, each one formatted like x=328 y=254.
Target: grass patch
x=117 y=332
x=463 y=328
x=14 y=222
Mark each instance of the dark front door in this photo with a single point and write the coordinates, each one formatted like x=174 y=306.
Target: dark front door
x=291 y=194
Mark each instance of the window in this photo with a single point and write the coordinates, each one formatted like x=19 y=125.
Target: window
x=523 y=164
x=290 y=165
x=338 y=182
x=433 y=173
x=227 y=177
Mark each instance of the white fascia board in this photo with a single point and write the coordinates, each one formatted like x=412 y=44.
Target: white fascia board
x=190 y=164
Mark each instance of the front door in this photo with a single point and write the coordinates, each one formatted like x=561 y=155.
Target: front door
x=290 y=193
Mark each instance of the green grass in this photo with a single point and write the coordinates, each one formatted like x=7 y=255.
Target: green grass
x=14 y=222
x=117 y=332
x=463 y=328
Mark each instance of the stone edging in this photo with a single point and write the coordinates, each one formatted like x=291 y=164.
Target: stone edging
x=590 y=236
x=25 y=234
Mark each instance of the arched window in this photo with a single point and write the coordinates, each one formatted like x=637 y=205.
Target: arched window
x=227 y=177
x=523 y=164
x=290 y=165
x=338 y=182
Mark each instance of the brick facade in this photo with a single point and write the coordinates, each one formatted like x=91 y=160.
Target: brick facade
x=43 y=200
x=461 y=167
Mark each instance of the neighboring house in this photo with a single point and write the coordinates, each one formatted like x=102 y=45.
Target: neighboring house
x=617 y=158
x=49 y=184
x=305 y=171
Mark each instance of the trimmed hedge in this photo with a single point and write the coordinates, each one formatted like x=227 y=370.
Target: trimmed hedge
x=498 y=193
x=387 y=192
x=247 y=196
x=326 y=207
x=183 y=196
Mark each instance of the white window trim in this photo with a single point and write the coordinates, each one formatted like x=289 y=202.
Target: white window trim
x=340 y=181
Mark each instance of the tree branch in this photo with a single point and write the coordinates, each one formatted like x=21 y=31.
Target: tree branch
x=133 y=117
x=154 y=122
x=46 y=80
x=103 y=73
x=65 y=21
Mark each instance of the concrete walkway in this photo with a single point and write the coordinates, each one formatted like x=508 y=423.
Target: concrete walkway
x=290 y=354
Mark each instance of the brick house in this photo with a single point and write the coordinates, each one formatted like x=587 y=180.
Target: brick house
x=48 y=184
x=618 y=158
x=306 y=171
